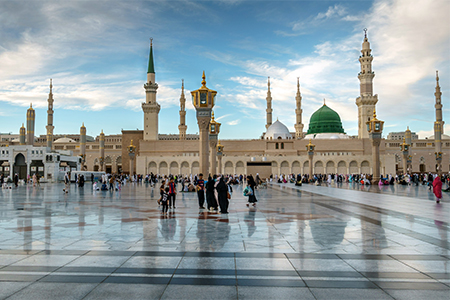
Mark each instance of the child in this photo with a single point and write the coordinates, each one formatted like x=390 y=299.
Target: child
x=164 y=200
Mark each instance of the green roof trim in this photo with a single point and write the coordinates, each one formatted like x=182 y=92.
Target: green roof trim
x=325 y=120
x=151 y=65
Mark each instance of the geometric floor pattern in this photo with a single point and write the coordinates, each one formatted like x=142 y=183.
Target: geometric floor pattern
x=308 y=242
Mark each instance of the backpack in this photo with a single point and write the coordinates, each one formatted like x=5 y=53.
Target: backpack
x=248 y=191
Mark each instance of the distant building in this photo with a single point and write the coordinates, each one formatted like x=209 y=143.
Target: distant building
x=401 y=135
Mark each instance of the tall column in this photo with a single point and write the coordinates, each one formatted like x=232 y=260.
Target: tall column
x=298 y=112
x=212 y=155
x=102 y=150
x=269 y=105
x=182 y=127
x=50 y=126
x=83 y=146
x=31 y=116
x=376 y=157
x=366 y=101
x=203 y=100
x=203 y=126
x=22 y=138
x=150 y=107
x=219 y=157
x=438 y=127
x=310 y=156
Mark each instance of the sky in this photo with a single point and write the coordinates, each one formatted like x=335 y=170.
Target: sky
x=96 y=52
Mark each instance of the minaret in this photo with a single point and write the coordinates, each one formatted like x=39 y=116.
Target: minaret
x=22 y=135
x=366 y=101
x=182 y=127
x=438 y=104
x=438 y=126
x=83 y=144
x=50 y=126
x=102 y=150
x=298 y=112
x=269 y=105
x=31 y=116
x=150 y=107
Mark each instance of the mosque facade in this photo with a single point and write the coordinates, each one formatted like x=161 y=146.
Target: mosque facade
x=276 y=151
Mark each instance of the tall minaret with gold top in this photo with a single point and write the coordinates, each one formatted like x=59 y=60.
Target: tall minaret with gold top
x=31 y=116
x=150 y=107
x=367 y=100
x=269 y=105
x=50 y=126
x=298 y=112
x=182 y=127
x=438 y=126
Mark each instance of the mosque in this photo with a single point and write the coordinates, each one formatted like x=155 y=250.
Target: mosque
x=276 y=151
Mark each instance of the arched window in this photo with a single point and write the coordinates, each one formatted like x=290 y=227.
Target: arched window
x=276 y=146
x=282 y=145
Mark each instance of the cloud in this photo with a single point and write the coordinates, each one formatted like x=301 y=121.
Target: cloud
x=234 y=122
x=336 y=10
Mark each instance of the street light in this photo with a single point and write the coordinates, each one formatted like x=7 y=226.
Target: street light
x=310 y=149
x=404 y=147
x=375 y=129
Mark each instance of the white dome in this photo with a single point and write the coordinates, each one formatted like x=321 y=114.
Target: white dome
x=277 y=131
x=327 y=136
x=443 y=137
x=64 y=140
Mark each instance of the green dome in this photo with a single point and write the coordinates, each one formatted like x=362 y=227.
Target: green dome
x=325 y=120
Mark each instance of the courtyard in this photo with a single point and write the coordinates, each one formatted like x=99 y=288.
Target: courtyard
x=308 y=242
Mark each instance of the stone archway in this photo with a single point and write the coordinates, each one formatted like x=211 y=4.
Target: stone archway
x=296 y=168
x=153 y=168
x=240 y=168
x=163 y=169
x=353 y=167
x=229 y=168
x=365 y=167
x=342 y=167
x=20 y=166
x=284 y=168
x=318 y=167
x=174 y=169
x=185 y=168
x=196 y=168
x=330 y=167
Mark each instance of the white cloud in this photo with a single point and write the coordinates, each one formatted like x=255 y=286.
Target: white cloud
x=234 y=122
x=336 y=10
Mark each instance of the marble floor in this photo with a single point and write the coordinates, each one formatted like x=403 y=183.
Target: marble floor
x=308 y=242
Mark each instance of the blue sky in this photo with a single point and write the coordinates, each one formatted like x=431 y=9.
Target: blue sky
x=97 y=54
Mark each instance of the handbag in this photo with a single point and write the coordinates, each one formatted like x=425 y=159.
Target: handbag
x=228 y=196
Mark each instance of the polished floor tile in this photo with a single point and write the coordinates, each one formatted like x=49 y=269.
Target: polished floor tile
x=309 y=242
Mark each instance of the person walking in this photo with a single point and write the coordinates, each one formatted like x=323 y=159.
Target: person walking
x=16 y=180
x=437 y=188
x=66 y=183
x=252 y=184
x=210 y=199
x=201 y=191
x=172 y=193
x=222 y=191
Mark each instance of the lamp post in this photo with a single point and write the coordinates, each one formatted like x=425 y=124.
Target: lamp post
x=131 y=153
x=310 y=149
x=404 y=147
x=203 y=101
x=375 y=129
x=219 y=157
x=214 y=128
x=409 y=161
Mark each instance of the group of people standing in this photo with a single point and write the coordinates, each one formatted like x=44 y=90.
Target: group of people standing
x=213 y=194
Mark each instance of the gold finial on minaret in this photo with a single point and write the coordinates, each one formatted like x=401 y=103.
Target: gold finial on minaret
x=203 y=79
x=437 y=77
x=268 y=83
x=51 y=86
x=365 y=32
x=324 y=101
